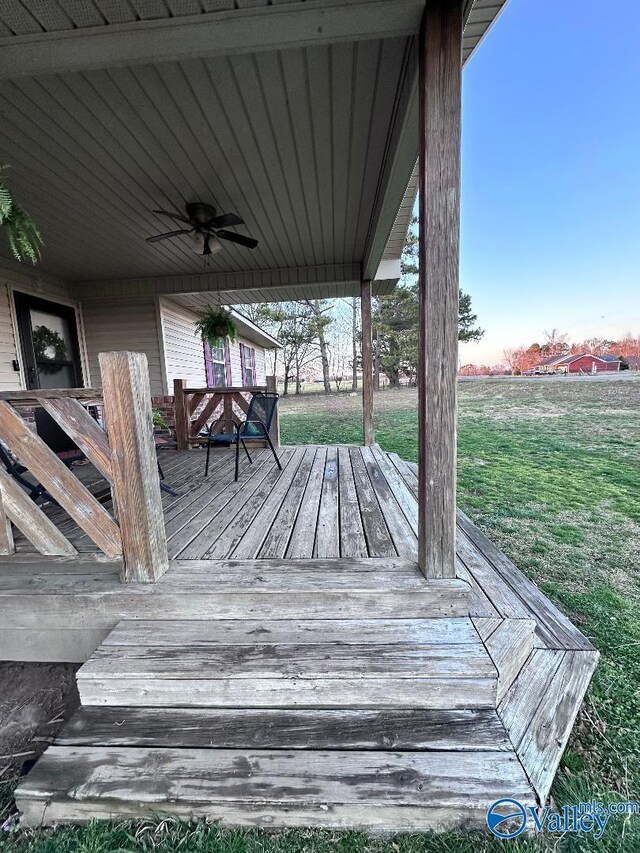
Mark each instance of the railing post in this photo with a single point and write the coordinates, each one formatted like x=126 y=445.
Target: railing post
x=136 y=484
x=272 y=388
x=181 y=414
x=367 y=364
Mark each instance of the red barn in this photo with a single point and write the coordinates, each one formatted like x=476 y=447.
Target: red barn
x=581 y=363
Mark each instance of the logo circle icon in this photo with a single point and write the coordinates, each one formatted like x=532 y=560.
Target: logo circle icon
x=506 y=812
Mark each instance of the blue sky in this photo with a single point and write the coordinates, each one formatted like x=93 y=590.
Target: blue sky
x=551 y=174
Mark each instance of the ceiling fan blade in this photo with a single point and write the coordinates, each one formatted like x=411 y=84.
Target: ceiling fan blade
x=173 y=215
x=169 y=234
x=249 y=242
x=227 y=219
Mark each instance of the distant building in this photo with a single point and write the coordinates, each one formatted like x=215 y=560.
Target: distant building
x=578 y=363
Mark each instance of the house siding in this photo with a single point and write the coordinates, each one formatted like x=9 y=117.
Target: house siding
x=118 y=324
x=587 y=362
x=10 y=380
x=183 y=350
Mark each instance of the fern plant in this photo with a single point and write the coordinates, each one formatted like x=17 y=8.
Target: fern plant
x=22 y=232
x=216 y=324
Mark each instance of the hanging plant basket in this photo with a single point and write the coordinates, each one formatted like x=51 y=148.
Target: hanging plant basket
x=216 y=324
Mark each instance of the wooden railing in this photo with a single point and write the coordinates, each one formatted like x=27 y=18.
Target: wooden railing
x=122 y=450
x=197 y=408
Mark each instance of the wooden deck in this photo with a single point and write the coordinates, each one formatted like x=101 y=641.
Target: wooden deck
x=327 y=502
x=293 y=667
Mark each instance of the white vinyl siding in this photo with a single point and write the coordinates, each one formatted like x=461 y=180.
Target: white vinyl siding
x=10 y=380
x=183 y=351
x=124 y=324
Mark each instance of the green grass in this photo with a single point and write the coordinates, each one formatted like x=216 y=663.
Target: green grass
x=551 y=472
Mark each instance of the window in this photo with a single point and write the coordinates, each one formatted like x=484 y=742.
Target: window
x=214 y=358
x=248 y=361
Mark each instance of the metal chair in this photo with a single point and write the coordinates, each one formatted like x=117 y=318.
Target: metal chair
x=256 y=427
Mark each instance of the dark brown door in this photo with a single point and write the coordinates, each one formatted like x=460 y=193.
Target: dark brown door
x=49 y=343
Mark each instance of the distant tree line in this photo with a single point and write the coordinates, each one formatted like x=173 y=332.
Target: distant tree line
x=555 y=343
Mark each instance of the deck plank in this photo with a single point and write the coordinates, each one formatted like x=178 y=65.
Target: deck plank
x=153 y=632
x=219 y=535
x=545 y=739
x=352 y=539
x=326 y=788
x=400 y=530
x=277 y=539
x=327 y=542
x=245 y=728
x=250 y=539
x=303 y=535
x=379 y=540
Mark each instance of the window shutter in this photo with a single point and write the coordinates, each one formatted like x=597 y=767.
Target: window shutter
x=253 y=365
x=208 y=364
x=243 y=366
x=227 y=364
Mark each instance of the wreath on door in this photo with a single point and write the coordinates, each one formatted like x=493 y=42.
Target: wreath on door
x=46 y=341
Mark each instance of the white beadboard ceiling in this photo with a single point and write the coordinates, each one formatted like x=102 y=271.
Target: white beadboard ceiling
x=297 y=140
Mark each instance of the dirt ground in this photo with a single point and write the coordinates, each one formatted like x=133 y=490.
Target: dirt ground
x=35 y=699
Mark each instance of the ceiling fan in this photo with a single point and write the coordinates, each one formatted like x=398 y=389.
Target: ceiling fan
x=207 y=228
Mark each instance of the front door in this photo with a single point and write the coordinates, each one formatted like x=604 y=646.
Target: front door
x=49 y=343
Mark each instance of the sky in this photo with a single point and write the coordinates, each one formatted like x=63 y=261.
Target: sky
x=551 y=174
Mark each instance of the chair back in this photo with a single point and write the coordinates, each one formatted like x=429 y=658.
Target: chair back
x=52 y=434
x=262 y=408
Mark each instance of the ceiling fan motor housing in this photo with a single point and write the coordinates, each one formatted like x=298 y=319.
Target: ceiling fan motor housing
x=201 y=213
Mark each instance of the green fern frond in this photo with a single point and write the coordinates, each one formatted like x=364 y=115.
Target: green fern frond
x=22 y=233
x=6 y=203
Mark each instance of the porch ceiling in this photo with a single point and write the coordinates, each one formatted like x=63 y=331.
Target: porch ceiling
x=299 y=116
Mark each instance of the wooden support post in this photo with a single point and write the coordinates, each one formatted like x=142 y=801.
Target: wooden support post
x=272 y=388
x=181 y=414
x=136 y=484
x=6 y=533
x=367 y=364
x=227 y=413
x=440 y=56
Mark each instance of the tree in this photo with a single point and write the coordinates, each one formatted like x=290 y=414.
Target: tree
x=354 y=344
x=294 y=325
x=22 y=233
x=556 y=344
x=396 y=326
x=396 y=322
x=320 y=309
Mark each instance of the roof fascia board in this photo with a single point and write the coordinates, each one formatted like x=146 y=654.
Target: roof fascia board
x=213 y=34
x=399 y=162
x=219 y=282
x=254 y=333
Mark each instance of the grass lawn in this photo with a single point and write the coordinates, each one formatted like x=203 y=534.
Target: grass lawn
x=550 y=470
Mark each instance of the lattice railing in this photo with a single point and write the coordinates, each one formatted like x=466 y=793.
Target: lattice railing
x=197 y=408
x=124 y=454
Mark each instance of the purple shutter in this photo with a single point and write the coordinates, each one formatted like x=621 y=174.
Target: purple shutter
x=242 y=364
x=208 y=364
x=228 y=379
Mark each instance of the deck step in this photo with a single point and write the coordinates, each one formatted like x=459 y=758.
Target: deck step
x=344 y=663
x=509 y=642
x=327 y=788
x=266 y=728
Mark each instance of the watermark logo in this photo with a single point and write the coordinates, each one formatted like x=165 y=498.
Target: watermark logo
x=508 y=818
